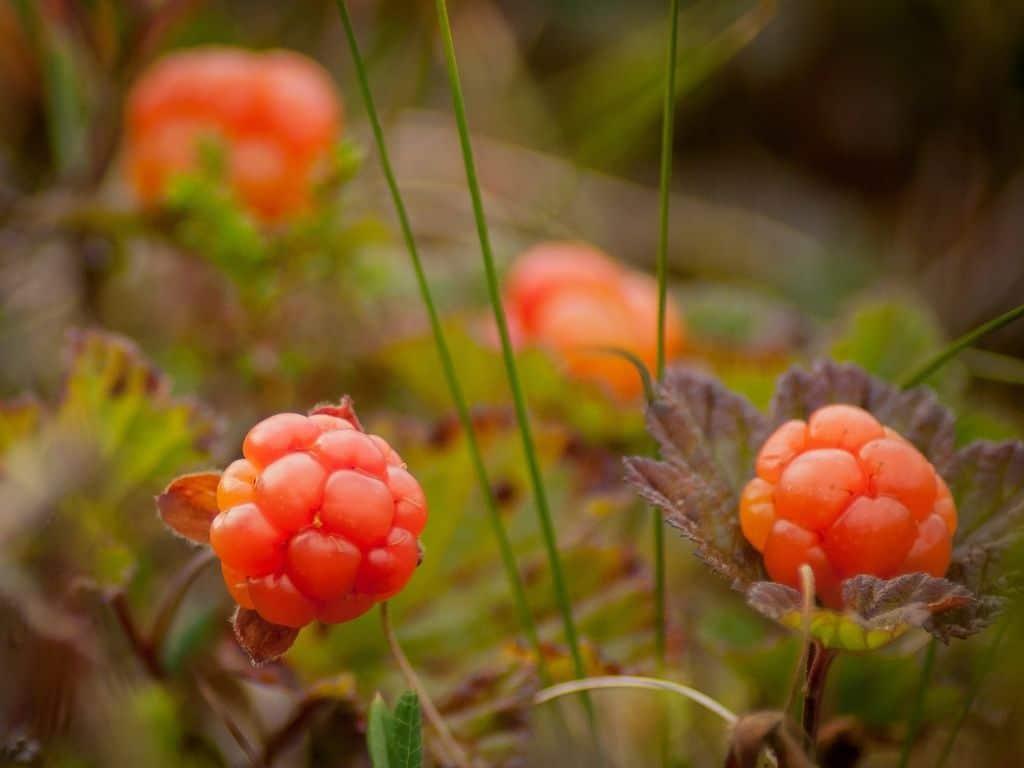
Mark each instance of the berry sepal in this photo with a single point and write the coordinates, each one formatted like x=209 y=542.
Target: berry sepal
x=710 y=440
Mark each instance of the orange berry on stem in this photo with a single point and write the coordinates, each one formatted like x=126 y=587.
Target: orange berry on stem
x=932 y=549
x=945 y=507
x=385 y=570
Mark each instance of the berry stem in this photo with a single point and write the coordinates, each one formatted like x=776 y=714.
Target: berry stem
x=454 y=753
x=954 y=348
x=518 y=399
x=444 y=353
x=819 y=660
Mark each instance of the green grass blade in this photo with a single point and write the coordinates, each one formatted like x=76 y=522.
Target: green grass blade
x=443 y=350
x=955 y=347
x=667 y=135
x=987 y=664
x=917 y=706
x=519 y=401
x=377 y=733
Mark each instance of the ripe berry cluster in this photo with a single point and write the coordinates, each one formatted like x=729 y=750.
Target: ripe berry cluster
x=577 y=301
x=275 y=115
x=847 y=496
x=319 y=521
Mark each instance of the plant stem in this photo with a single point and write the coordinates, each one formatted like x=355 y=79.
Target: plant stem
x=952 y=349
x=443 y=352
x=452 y=748
x=518 y=399
x=667 y=134
x=917 y=707
x=819 y=660
x=986 y=666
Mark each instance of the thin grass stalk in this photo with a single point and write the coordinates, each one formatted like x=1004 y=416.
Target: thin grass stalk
x=987 y=664
x=512 y=374
x=950 y=351
x=917 y=707
x=444 y=352
x=917 y=377
x=667 y=134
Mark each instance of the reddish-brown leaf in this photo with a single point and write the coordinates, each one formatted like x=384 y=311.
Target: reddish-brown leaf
x=260 y=639
x=343 y=410
x=188 y=505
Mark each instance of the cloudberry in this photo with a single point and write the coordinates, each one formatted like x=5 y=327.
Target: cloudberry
x=847 y=496
x=318 y=521
x=275 y=115
x=575 y=300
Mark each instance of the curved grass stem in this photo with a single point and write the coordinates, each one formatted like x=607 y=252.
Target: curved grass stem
x=454 y=753
x=630 y=681
x=955 y=347
x=443 y=352
x=512 y=374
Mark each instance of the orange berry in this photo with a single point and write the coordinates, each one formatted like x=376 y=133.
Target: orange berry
x=842 y=426
x=237 y=585
x=290 y=490
x=640 y=293
x=358 y=507
x=350 y=449
x=322 y=565
x=276 y=113
x=327 y=524
x=781 y=448
x=897 y=469
x=757 y=512
x=817 y=486
x=237 y=484
x=885 y=523
x=548 y=269
x=279 y=602
x=410 y=501
x=848 y=496
x=243 y=538
x=277 y=435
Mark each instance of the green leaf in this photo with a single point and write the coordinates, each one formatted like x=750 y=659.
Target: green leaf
x=915 y=413
x=708 y=437
x=876 y=611
x=890 y=338
x=377 y=738
x=405 y=737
